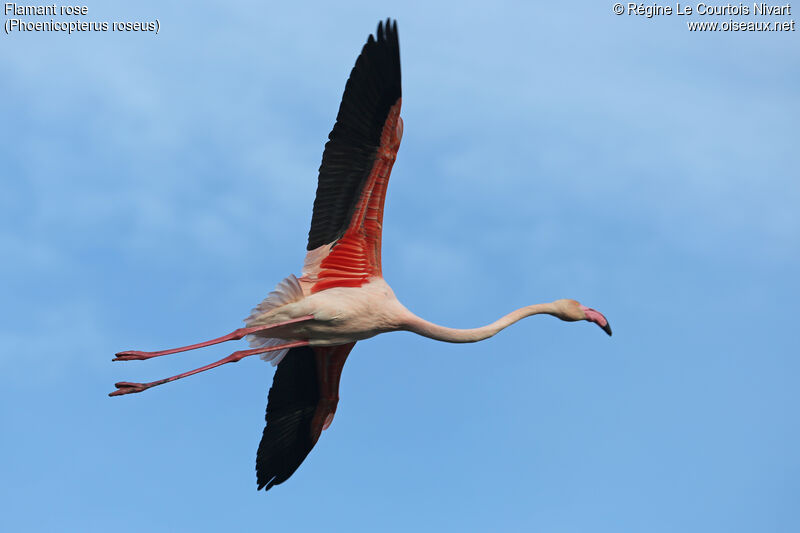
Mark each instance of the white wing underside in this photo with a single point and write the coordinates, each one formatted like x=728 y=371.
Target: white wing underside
x=286 y=292
x=311 y=264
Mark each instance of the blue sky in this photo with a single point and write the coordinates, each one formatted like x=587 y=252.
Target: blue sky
x=155 y=188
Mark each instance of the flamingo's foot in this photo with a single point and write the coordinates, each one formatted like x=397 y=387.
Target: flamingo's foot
x=127 y=387
x=132 y=355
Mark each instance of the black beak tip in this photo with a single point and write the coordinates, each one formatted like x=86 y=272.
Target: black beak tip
x=607 y=328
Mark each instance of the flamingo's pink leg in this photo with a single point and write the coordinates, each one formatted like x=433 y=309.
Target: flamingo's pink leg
x=127 y=387
x=131 y=355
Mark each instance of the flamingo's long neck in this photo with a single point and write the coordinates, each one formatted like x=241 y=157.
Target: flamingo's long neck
x=441 y=333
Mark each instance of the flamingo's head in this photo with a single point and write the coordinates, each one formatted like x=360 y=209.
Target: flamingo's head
x=571 y=311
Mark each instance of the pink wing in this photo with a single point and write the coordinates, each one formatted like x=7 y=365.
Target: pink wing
x=344 y=243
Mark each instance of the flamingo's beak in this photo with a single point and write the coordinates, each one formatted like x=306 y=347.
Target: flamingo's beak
x=598 y=318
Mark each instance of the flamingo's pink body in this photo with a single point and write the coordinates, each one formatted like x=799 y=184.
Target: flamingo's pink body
x=341 y=315
x=308 y=325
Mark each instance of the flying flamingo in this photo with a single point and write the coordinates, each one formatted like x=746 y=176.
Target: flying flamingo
x=308 y=325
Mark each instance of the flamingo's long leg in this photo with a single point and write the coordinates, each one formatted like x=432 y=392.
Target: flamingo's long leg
x=127 y=387
x=131 y=355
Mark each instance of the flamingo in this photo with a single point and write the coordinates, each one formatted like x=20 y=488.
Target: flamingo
x=308 y=325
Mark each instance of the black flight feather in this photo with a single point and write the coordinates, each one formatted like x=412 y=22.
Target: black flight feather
x=372 y=89
x=290 y=409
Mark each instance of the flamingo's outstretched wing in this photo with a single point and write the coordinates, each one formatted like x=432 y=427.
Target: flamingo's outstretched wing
x=344 y=242
x=302 y=402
